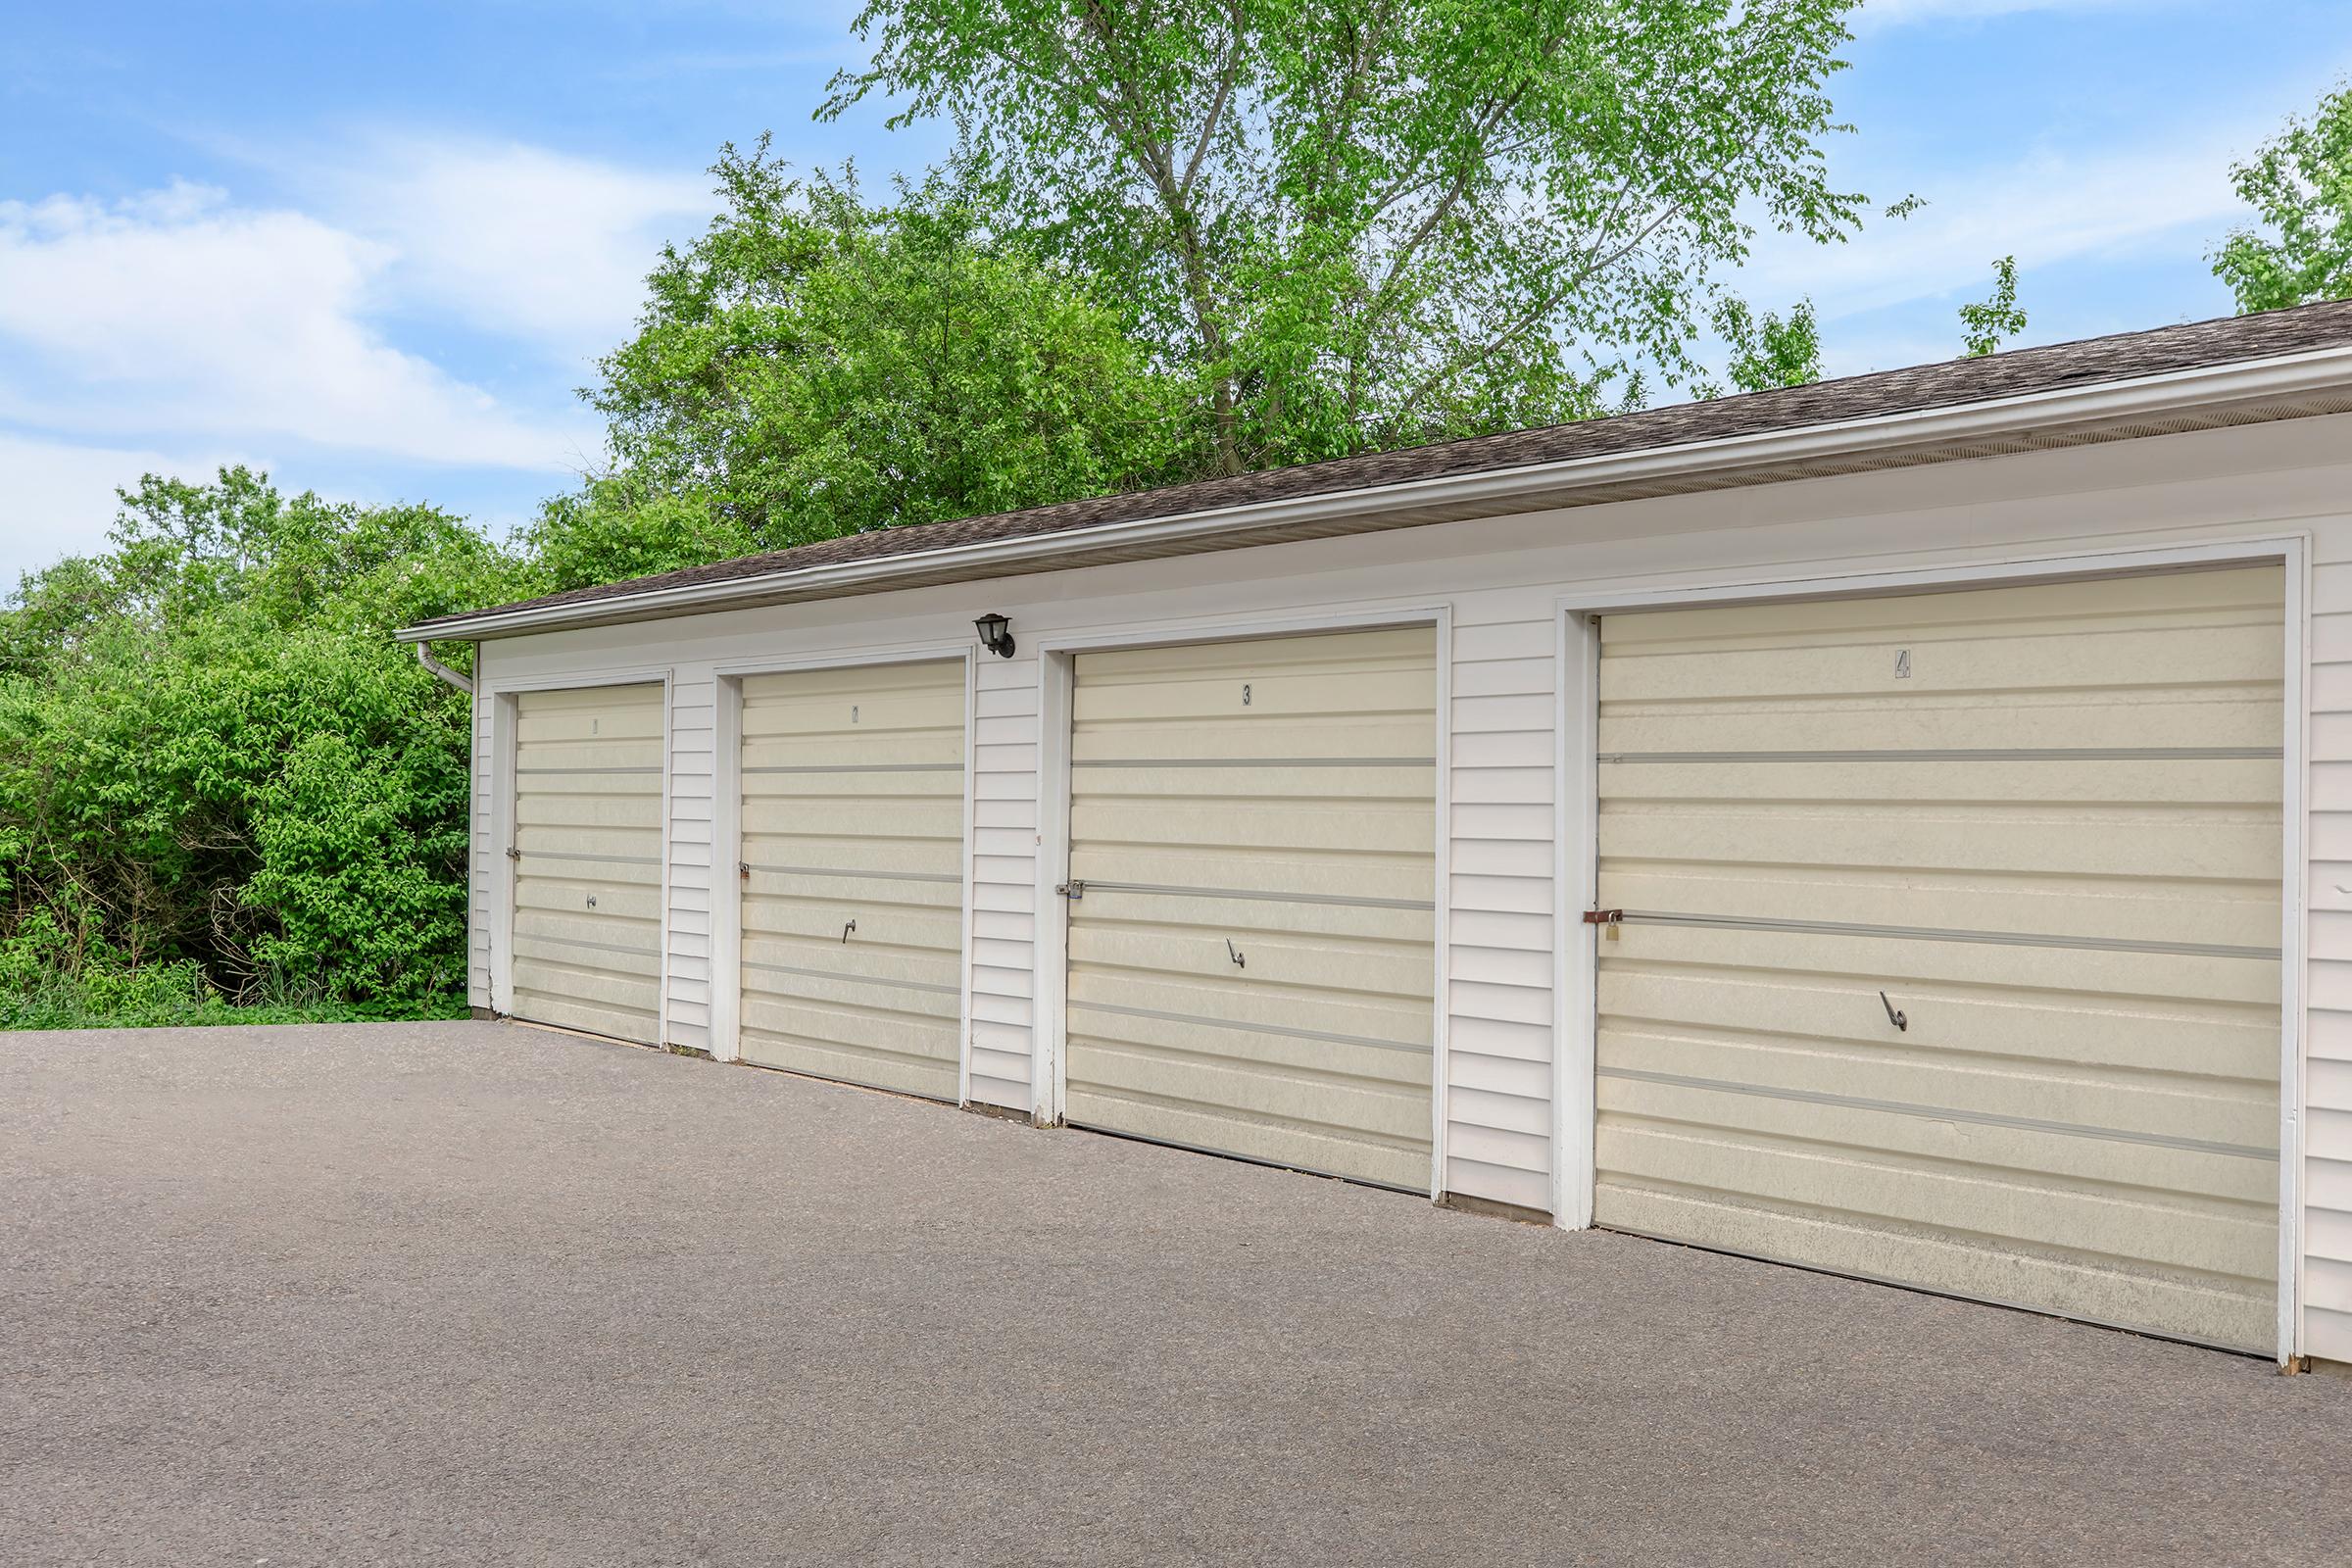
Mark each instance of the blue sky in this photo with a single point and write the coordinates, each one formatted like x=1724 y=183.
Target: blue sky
x=376 y=247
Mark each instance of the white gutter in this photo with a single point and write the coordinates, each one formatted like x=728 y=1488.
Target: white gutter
x=2172 y=392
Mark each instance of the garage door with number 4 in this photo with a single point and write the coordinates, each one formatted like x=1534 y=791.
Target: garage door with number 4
x=1951 y=941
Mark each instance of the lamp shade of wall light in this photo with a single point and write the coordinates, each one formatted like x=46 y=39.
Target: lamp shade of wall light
x=996 y=634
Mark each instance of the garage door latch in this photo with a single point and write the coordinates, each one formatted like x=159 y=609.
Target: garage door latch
x=1073 y=890
x=1606 y=919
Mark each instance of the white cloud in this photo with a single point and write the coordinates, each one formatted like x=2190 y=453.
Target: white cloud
x=57 y=499
x=517 y=240
x=1895 y=13
x=178 y=313
x=2050 y=208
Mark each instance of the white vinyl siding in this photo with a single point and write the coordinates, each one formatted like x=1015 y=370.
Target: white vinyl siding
x=2328 y=1041
x=479 y=847
x=851 y=823
x=1252 y=960
x=693 y=786
x=1502 y=1017
x=588 y=837
x=2040 y=822
x=1005 y=820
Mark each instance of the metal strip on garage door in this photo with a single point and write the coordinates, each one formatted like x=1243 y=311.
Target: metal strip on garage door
x=2044 y=822
x=852 y=873
x=1251 y=952
x=588 y=859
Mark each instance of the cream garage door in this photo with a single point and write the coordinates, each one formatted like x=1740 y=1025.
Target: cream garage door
x=1251 y=947
x=852 y=873
x=587 y=856
x=2044 y=822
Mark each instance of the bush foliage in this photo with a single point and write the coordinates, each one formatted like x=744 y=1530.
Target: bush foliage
x=220 y=781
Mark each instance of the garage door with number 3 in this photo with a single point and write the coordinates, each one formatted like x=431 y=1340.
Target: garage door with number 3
x=1251 y=948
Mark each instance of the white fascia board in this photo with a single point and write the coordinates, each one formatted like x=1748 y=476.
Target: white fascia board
x=2173 y=392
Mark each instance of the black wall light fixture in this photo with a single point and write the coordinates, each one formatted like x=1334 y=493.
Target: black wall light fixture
x=996 y=634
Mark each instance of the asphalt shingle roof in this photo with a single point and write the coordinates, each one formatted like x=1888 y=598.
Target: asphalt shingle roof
x=1951 y=383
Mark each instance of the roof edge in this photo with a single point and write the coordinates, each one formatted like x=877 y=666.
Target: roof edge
x=2170 y=391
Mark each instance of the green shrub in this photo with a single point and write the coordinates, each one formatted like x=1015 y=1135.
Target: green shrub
x=223 y=785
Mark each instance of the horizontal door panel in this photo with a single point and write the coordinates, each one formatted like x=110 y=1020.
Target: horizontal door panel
x=1269 y=962
x=637 y=811
x=614 y=900
x=1395 y=1113
x=933 y=967
x=924 y=748
x=1274 y=872
x=2180 y=1110
x=817 y=789
x=931 y=817
x=2133 y=1171
x=2052 y=905
x=1177 y=913
x=931 y=1076
x=874 y=856
x=1284 y=780
x=1296 y=1009
x=846 y=1027
x=2235 y=596
x=2205 y=1040
x=1139 y=1031
x=2215 y=1310
x=2117 y=1224
x=2236 y=718
x=568 y=1012
x=1987 y=669
x=1406 y=739
x=2093 y=977
x=2201 y=845
x=1354 y=827
x=568 y=972
x=1938 y=778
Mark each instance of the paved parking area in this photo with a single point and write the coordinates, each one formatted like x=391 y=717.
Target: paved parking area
x=482 y=1294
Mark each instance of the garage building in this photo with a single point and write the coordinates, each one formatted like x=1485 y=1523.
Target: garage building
x=1899 y=825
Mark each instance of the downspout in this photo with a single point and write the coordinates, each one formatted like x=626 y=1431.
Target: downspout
x=443 y=670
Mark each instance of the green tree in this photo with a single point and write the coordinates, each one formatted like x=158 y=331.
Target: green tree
x=2300 y=187
x=1361 y=224
x=816 y=366
x=624 y=525
x=1997 y=316
x=1769 y=350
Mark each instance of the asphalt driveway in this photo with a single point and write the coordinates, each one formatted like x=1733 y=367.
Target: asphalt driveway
x=482 y=1294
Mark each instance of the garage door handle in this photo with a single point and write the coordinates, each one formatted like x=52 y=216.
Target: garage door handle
x=1235 y=954
x=844 y=932
x=1893 y=1017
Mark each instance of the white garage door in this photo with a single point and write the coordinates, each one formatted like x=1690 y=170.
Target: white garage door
x=2044 y=822
x=852 y=873
x=587 y=857
x=1251 y=952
